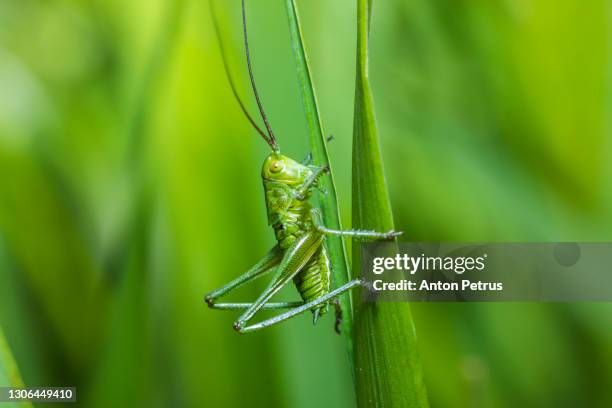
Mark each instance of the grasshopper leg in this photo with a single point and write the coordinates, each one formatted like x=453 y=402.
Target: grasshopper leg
x=264 y=266
x=308 y=159
x=363 y=234
x=308 y=184
x=294 y=259
x=267 y=306
x=301 y=309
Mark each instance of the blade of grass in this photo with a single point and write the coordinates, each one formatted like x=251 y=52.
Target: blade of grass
x=318 y=143
x=387 y=364
x=9 y=374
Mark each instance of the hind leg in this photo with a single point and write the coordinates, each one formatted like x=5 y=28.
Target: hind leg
x=298 y=310
x=264 y=266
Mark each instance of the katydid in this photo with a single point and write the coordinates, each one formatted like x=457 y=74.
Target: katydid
x=300 y=253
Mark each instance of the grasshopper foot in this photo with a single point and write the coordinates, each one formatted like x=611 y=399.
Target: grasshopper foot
x=210 y=301
x=393 y=234
x=338 y=322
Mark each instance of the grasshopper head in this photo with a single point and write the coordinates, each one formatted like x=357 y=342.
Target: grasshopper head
x=282 y=169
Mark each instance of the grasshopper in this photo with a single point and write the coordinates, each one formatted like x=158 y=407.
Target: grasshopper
x=300 y=253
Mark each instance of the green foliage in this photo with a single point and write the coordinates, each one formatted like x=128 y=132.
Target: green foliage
x=494 y=121
x=318 y=143
x=388 y=367
x=9 y=374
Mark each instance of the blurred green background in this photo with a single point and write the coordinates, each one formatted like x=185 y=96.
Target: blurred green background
x=130 y=187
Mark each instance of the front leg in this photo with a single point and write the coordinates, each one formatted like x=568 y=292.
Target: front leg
x=310 y=181
x=362 y=234
x=308 y=159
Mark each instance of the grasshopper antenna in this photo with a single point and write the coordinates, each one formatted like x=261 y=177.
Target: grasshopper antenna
x=272 y=139
x=271 y=142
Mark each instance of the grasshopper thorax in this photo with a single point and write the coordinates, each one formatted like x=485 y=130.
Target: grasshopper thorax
x=282 y=169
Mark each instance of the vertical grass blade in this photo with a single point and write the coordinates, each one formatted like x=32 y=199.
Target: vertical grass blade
x=387 y=365
x=318 y=143
x=9 y=374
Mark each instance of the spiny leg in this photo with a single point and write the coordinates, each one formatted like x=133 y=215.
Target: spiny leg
x=301 y=309
x=294 y=259
x=318 y=172
x=363 y=234
x=308 y=159
x=242 y=306
x=264 y=266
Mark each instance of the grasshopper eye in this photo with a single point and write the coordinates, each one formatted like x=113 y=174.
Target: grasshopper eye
x=276 y=167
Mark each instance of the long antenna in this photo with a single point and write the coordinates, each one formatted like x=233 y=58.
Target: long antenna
x=230 y=79
x=273 y=144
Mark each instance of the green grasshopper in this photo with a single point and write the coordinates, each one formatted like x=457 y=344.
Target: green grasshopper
x=300 y=253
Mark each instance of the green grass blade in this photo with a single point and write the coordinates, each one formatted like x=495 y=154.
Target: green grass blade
x=387 y=365
x=318 y=143
x=9 y=374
